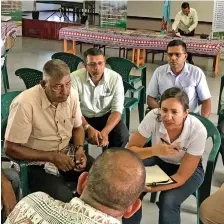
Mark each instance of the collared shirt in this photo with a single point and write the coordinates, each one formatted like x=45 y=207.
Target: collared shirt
x=191 y=79
x=35 y=123
x=96 y=101
x=192 y=139
x=41 y=208
x=186 y=23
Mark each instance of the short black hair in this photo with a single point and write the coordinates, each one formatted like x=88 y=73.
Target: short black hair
x=185 y=5
x=175 y=43
x=92 y=51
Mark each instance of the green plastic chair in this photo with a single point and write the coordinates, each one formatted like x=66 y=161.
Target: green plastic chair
x=6 y=101
x=30 y=77
x=123 y=67
x=5 y=78
x=130 y=102
x=220 y=113
x=205 y=189
x=70 y=59
x=5 y=104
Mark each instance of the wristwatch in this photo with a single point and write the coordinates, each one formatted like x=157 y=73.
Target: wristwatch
x=86 y=127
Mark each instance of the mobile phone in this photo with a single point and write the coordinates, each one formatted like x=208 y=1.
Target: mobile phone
x=166 y=142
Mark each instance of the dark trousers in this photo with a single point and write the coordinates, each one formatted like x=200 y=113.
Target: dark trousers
x=59 y=187
x=191 y=34
x=118 y=137
x=170 y=200
x=221 y=131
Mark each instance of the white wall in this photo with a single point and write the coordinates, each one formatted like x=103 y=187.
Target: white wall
x=28 y=6
x=153 y=9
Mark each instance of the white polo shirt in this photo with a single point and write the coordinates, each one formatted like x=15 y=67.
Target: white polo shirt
x=192 y=139
x=96 y=101
x=186 y=23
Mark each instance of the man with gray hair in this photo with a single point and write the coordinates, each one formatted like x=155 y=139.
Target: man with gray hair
x=41 y=123
x=106 y=196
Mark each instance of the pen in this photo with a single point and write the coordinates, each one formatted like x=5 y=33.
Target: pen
x=166 y=142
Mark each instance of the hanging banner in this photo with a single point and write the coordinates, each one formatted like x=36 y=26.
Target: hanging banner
x=218 y=23
x=13 y=9
x=166 y=16
x=113 y=14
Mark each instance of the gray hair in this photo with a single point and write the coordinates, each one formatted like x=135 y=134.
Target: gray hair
x=116 y=178
x=55 y=68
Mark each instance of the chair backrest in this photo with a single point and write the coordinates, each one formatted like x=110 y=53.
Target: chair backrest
x=70 y=59
x=212 y=132
x=6 y=101
x=220 y=93
x=121 y=66
x=30 y=77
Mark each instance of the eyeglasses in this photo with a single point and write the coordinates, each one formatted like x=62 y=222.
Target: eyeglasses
x=94 y=64
x=178 y=55
x=59 y=87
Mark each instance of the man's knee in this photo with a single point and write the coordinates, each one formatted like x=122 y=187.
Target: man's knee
x=13 y=176
x=206 y=211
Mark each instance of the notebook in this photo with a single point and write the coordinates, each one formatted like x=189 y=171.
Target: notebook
x=156 y=176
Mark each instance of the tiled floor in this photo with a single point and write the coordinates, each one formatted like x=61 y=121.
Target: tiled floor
x=33 y=53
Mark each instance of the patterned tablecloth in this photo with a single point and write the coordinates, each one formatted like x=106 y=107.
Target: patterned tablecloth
x=7 y=28
x=139 y=39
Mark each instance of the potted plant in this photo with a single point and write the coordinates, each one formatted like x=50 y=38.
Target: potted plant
x=35 y=13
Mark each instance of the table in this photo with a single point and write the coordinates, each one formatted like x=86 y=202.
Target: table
x=139 y=41
x=8 y=32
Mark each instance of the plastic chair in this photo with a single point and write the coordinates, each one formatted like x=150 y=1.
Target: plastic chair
x=4 y=71
x=70 y=59
x=205 y=189
x=30 y=77
x=220 y=113
x=5 y=104
x=130 y=102
x=123 y=67
x=6 y=101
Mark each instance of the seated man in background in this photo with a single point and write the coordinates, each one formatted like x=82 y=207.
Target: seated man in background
x=101 y=95
x=10 y=186
x=178 y=73
x=42 y=121
x=212 y=208
x=106 y=196
x=186 y=21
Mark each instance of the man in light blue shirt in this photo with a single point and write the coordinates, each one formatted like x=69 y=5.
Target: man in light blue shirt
x=183 y=75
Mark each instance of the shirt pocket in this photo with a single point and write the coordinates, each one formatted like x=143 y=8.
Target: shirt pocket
x=189 y=90
x=105 y=101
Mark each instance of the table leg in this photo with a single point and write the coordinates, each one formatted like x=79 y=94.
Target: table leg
x=133 y=55
x=8 y=42
x=74 y=47
x=65 y=45
x=138 y=57
x=217 y=62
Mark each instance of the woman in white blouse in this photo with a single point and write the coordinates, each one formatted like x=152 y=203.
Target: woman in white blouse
x=181 y=159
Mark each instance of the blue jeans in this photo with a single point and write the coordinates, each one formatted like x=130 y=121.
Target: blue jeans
x=170 y=200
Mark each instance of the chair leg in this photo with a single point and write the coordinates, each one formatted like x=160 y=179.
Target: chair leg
x=153 y=57
x=163 y=56
x=80 y=47
x=86 y=148
x=24 y=179
x=141 y=109
x=126 y=50
x=127 y=113
x=153 y=197
x=120 y=49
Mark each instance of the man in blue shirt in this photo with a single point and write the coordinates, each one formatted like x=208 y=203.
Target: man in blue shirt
x=183 y=75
